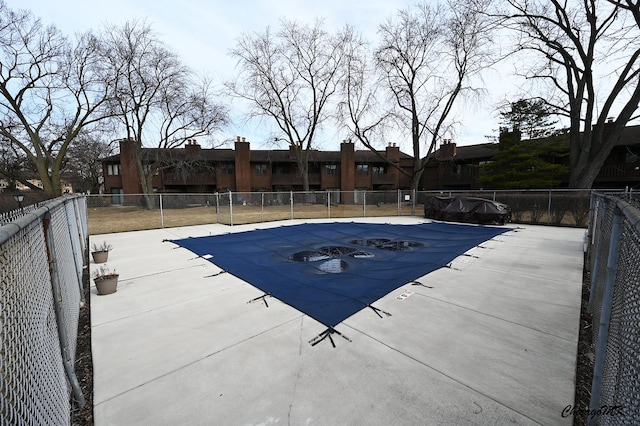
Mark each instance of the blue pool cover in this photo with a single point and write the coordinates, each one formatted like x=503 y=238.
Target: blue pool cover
x=330 y=271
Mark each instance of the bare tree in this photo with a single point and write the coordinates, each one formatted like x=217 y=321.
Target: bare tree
x=291 y=77
x=364 y=110
x=156 y=100
x=49 y=92
x=83 y=161
x=426 y=57
x=588 y=53
x=15 y=167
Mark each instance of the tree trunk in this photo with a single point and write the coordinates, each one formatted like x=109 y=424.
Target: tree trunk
x=583 y=176
x=416 y=179
x=146 y=183
x=50 y=182
x=593 y=152
x=302 y=159
x=147 y=192
x=305 y=178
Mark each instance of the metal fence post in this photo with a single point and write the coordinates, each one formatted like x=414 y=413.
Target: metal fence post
x=364 y=203
x=329 y=204
x=49 y=239
x=549 y=209
x=230 y=208
x=217 y=208
x=413 y=206
x=605 y=314
x=83 y=232
x=399 y=196
x=291 y=203
x=593 y=217
x=161 y=214
x=596 y=246
x=262 y=207
x=77 y=251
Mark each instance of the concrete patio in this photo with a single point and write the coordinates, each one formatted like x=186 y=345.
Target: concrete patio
x=491 y=340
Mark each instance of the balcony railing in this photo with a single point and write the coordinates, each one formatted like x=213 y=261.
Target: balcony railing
x=189 y=179
x=293 y=179
x=384 y=178
x=619 y=172
x=464 y=177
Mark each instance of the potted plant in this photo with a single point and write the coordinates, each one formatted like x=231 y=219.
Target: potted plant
x=106 y=280
x=100 y=252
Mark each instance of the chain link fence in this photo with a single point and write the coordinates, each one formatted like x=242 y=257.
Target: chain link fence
x=613 y=261
x=42 y=255
x=119 y=212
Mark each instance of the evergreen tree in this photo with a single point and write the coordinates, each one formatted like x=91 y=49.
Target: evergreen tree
x=527 y=164
x=537 y=162
x=531 y=117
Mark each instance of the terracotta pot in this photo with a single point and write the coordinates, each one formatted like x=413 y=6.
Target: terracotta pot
x=100 y=256
x=107 y=284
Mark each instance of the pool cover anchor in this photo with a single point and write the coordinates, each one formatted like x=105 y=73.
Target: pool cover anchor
x=471 y=255
x=263 y=297
x=378 y=310
x=327 y=333
x=423 y=285
x=222 y=271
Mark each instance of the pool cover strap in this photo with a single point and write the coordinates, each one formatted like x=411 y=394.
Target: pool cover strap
x=263 y=297
x=327 y=333
x=377 y=311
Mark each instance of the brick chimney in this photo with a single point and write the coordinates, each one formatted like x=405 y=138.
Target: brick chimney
x=393 y=152
x=243 y=165
x=128 y=168
x=192 y=150
x=447 y=150
x=347 y=170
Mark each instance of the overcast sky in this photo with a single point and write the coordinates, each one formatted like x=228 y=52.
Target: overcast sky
x=203 y=31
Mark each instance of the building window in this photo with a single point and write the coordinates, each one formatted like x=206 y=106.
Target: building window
x=113 y=169
x=226 y=168
x=331 y=169
x=117 y=196
x=362 y=169
x=378 y=170
x=261 y=169
x=280 y=169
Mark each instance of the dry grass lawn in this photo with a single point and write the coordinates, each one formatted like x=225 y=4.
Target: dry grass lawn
x=105 y=220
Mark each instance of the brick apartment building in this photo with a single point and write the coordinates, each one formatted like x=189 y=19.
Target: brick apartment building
x=194 y=169
x=458 y=167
